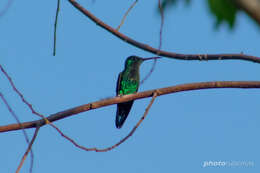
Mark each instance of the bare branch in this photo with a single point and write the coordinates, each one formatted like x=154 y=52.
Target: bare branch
x=160 y=42
x=105 y=149
x=28 y=149
x=127 y=12
x=46 y=121
x=5 y=9
x=125 y=98
x=19 y=122
x=118 y=143
x=133 y=130
x=252 y=8
x=162 y=23
x=161 y=52
x=55 y=27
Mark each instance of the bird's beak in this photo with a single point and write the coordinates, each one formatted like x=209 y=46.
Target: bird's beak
x=145 y=59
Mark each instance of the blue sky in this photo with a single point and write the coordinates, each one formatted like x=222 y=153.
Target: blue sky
x=182 y=130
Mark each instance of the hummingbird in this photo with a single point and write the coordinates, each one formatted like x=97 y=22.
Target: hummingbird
x=127 y=83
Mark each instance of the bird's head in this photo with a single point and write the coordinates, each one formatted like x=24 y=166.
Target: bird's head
x=136 y=61
x=133 y=61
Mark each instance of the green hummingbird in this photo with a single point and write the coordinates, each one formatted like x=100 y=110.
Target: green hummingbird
x=128 y=83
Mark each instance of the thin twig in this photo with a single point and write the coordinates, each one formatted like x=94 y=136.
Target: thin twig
x=129 y=9
x=122 y=140
x=162 y=23
x=160 y=42
x=28 y=149
x=21 y=95
x=5 y=9
x=252 y=8
x=55 y=27
x=45 y=120
x=15 y=117
x=135 y=127
x=19 y=122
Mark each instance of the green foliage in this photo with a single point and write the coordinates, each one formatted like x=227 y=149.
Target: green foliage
x=171 y=3
x=224 y=12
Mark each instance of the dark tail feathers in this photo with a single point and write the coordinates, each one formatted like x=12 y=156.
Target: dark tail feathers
x=122 y=112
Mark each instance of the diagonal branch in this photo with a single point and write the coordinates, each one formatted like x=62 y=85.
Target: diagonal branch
x=252 y=8
x=28 y=149
x=135 y=127
x=125 y=98
x=118 y=143
x=125 y=15
x=19 y=122
x=6 y=8
x=160 y=42
x=158 y=52
x=34 y=112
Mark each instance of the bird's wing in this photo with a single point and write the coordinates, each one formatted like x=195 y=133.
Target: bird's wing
x=118 y=83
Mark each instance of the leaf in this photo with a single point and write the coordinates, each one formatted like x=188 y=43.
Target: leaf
x=187 y=2
x=171 y=3
x=168 y=3
x=224 y=12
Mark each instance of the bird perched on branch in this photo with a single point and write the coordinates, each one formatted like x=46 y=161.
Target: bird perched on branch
x=128 y=83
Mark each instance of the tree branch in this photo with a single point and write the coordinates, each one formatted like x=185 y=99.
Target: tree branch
x=28 y=150
x=125 y=15
x=122 y=140
x=158 y=52
x=125 y=98
x=251 y=7
x=6 y=8
x=134 y=129
x=55 y=27
x=18 y=122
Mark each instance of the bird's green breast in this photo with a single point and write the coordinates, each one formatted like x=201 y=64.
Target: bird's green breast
x=129 y=81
